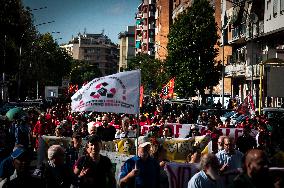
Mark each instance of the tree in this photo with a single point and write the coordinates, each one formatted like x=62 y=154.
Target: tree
x=191 y=50
x=82 y=71
x=152 y=76
x=17 y=33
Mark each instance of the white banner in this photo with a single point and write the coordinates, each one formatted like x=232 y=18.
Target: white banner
x=117 y=93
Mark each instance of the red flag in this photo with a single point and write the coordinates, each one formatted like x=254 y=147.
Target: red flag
x=246 y=106
x=141 y=95
x=168 y=90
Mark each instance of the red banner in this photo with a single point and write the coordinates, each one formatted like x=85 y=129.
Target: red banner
x=141 y=95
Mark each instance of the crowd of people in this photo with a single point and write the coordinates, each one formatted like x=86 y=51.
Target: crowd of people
x=240 y=162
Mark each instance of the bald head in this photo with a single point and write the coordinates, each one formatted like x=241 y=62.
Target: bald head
x=256 y=163
x=209 y=160
x=254 y=154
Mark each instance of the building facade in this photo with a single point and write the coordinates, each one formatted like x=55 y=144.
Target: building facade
x=163 y=22
x=255 y=31
x=126 y=47
x=145 y=28
x=96 y=49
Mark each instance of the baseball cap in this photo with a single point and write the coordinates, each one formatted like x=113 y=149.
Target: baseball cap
x=17 y=152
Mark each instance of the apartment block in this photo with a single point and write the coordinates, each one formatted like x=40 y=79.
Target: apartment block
x=255 y=32
x=96 y=49
x=126 y=47
x=163 y=22
x=145 y=28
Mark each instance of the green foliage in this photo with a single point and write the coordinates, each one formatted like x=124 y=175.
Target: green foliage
x=191 y=50
x=152 y=75
x=82 y=71
x=29 y=56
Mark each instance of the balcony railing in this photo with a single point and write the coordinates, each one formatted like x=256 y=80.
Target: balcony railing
x=238 y=32
x=256 y=71
x=235 y=70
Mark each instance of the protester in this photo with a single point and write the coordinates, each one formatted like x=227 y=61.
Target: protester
x=255 y=171
x=6 y=166
x=106 y=132
x=167 y=132
x=208 y=177
x=221 y=143
x=161 y=156
x=20 y=176
x=214 y=134
x=124 y=131
x=230 y=159
x=246 y=141
x=59 y=131
x=141 y=170
x=55 y=172
x=94 y=169
x=194 y=156
x=194 y=131
x=75 y=150
x=21 y=131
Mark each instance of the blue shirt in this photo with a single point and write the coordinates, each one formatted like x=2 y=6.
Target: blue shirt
x=234 y=160
x=149 y=172
x=6 y=167
x=201 y=180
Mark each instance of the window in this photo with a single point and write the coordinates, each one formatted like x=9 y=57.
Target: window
x=281 y=6
x=268 y=6
x=275 y=3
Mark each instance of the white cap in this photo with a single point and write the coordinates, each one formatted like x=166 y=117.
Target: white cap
x=144 y=144
x=143 y=141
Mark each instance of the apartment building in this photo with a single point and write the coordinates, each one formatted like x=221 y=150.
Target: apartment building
x=255 y=33
x=145 y=28
x=163 y=22
x=126 y=47
x=97 y=49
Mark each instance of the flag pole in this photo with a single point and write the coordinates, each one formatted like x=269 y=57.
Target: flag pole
x=138 y=115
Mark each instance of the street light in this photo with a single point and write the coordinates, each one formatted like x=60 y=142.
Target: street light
x=222 y=29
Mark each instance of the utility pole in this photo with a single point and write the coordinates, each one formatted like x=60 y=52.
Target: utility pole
x=223 y=67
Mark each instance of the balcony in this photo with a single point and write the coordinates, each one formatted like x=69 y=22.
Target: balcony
x=151 y=40
x=145 y=41
x=145 y=15
x=239 y=32
x=151 y=14
x=145 y=27
x=151 y=26
x=235 y=70
x=256 y=71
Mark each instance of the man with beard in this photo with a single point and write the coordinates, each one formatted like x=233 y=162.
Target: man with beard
x=255 y=171
x=208 y=177
x=140 y=171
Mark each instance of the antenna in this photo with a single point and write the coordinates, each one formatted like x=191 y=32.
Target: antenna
x=85 y=31
x=103 y=31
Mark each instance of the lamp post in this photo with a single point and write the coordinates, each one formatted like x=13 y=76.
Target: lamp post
x=223 y=64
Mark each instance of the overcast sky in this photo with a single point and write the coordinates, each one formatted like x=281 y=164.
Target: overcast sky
x=72 y=16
